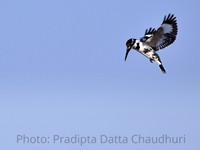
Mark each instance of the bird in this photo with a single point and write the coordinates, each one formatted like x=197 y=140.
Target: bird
x=155 y=40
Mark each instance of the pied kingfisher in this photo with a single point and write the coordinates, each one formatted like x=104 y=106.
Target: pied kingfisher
x=154 y=40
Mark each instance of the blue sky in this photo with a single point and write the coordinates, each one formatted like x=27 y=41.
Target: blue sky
x=63 y=72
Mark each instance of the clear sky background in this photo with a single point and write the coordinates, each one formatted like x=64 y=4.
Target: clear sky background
x=62 y=71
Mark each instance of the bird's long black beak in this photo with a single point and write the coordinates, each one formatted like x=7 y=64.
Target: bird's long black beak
x=127 y=51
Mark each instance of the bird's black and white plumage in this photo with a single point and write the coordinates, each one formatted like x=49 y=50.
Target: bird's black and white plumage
x=154 y=40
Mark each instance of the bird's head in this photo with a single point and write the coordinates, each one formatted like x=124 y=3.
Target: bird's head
x=129 y=45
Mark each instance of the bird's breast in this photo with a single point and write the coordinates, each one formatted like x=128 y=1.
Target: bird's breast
x=146 y=51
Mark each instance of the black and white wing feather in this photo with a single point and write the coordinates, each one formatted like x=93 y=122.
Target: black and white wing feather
x=165 y=35
x=148 y=33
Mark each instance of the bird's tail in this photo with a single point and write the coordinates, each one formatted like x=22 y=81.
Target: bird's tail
x=162 y=68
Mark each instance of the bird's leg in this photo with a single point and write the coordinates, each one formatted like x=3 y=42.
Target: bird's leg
x=151 y=60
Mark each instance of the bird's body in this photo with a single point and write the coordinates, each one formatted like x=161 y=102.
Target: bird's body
x=155 y=40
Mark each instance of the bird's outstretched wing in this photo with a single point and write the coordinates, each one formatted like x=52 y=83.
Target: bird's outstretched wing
x=165 y=34
x=148 y=33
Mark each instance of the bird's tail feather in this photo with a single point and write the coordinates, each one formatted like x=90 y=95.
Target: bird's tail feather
x=162 y=68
